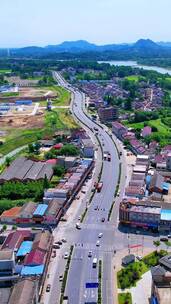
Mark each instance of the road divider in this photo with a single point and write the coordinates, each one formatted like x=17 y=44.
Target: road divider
x=66 y=275
x=99 y=301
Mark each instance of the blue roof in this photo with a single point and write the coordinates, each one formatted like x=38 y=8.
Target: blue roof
x=86 y=162
x=166 y=215
x=40 y=210
x=165 y=186
x=32 y=270
x=25 y=248
x=148 y=179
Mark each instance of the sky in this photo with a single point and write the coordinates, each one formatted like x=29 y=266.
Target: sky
x=43 y=22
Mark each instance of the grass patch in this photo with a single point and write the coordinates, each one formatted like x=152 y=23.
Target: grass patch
x=4 y=71
x=125 y=298
x=10 y=94
x=128 y=276
x=135 y=78
x=64 y=97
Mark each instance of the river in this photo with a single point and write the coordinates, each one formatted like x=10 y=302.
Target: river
x=134 y=64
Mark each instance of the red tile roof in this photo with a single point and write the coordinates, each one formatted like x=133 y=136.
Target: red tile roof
x=35 y=257
x=58 y=146
x=14 y=239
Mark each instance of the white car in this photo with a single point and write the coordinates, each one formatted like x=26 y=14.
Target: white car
x=98 y=243
x=66 y=255
x=139 y=257
x=100 y=235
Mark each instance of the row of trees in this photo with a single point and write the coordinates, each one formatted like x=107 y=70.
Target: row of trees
x=66 y=150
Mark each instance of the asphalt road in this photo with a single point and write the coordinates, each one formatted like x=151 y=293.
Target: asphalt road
x=81 y=270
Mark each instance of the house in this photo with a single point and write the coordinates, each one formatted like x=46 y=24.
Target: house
x=24 y=292
x=146 y=131
x=108 y=114
x=42 y=241
x=53 y=213
x=35 y=257
x=156 y=184
x=10 y=216
x=23 y=169
x=168 y=161
x=87 y=148
x=128 y=259
x=39 y=212
x=7 y=262
x=14 y=239
x=118 y=129
x=26 y=213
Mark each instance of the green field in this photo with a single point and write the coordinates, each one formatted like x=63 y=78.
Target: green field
x=63 y=98
x=10 y=94
x=135 y=78
x=4 y=71
x=162 y=128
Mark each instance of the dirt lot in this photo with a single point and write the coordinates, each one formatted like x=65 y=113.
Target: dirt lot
x=36 y=121
x=36 y=92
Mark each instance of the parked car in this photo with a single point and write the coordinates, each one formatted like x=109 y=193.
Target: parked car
x=139 y=257
x=64 y=240
x=164 y=239
x=103 y=219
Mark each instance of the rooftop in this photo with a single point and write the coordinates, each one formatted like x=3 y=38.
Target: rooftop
x=40 y=210
x=6 y=255
x=166 y=215
x=11 y=212
x=23 y=292
x=24 y=248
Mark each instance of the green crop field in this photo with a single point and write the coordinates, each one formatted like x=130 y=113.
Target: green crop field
x=4 y=71
x=135 y=78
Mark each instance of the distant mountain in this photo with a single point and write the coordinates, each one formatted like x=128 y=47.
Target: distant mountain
x=83 y=49
x=145 y=44
x=164 y=44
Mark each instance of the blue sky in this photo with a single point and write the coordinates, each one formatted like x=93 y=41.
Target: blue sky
x=42 y=22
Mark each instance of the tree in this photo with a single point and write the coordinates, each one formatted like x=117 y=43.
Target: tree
x=58 y=170
x=4 y=227
x=8 y=161
x=30 y=148
x=45 y=182
x=156 y=244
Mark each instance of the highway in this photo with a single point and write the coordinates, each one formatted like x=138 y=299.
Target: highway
x=81 y=270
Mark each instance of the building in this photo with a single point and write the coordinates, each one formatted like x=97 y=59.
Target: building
x=23 y=169
x=158 y=184
x=168 y=162
x=148 y=214
x=10 y=216
x=39 y=212
x=87 y=148
x=108 y=114
x=140 y=214
x=14 y=239
x=146 y=131
x=26 y=213
x=118 y=129
x=161 y=281
x=7 y=262
x=24 y=292
x=128 y=259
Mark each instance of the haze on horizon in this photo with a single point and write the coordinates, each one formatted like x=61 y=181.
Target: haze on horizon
x=42 y=22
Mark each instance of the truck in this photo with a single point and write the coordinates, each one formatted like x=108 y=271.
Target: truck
x=65 y=300
x=94 y=264
x=99 y=186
